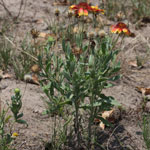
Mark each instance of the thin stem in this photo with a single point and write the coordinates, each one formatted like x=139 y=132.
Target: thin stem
x=77 y=124
x=90 y=121
x=54 y=134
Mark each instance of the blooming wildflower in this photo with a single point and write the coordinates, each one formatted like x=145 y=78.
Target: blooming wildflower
x=82 y=9
x=120 y=28
x=14 y=135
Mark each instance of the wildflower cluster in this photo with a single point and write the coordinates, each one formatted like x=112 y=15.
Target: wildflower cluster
x=82 y=9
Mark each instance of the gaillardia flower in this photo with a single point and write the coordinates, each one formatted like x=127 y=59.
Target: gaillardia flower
x=83 y=8
x=120 y=28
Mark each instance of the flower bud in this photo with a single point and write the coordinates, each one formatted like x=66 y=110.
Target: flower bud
x=57 y=12
x=101 y=34
x=17 y=90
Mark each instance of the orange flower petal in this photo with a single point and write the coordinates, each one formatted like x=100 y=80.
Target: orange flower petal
x=94 y=7
x=121 y=25
x=80 y=12
x=126 y=31
x=84 y=6
x=73 y=7
x=85 y=13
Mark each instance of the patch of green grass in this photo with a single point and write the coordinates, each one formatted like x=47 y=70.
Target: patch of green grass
x=146 y=130
x=5 y=54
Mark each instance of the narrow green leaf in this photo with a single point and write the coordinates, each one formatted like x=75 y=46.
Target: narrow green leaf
x=20 y=115
x=21 y=121
x=87 y=106
x=91 y=60
x=45 y=112
x=65 y=102
x=115 y=78
x=7 y=119
x=106 y=122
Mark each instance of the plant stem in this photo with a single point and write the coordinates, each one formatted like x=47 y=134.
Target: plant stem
x=77 y=124
x=90 y=121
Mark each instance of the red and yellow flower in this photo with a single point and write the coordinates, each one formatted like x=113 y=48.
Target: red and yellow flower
x=96 y=9
x=82 y=9
x=120 y=28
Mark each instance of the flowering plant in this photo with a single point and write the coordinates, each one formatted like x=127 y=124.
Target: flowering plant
x=83 y=8
x=6 y=138
x=74 y=83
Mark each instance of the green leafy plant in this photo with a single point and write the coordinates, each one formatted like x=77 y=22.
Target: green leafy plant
x=16 y=106
x=5 y=139
x=74 y=83
x=8 y=136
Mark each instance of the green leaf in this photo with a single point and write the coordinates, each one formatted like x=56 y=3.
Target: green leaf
x=20 y=115
x=102 y=79
x=103 y=47
x=115 y=78
x=106 y=122
x=109 y=100
x=108 y=58
x=72 y=66
x=115 y=102
x=85 y=106
x=108 y=85
x=68 y=50
x=67 y=122
x=48 y=67
x=8 y=139
x=21 y=121
x=64 y=45
x=88 y=106
x=65 y=102
x=66 y=75
x=91 y=60
x=7 y=119
x=45 y=112
x=1 y=131
x=116 y=69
